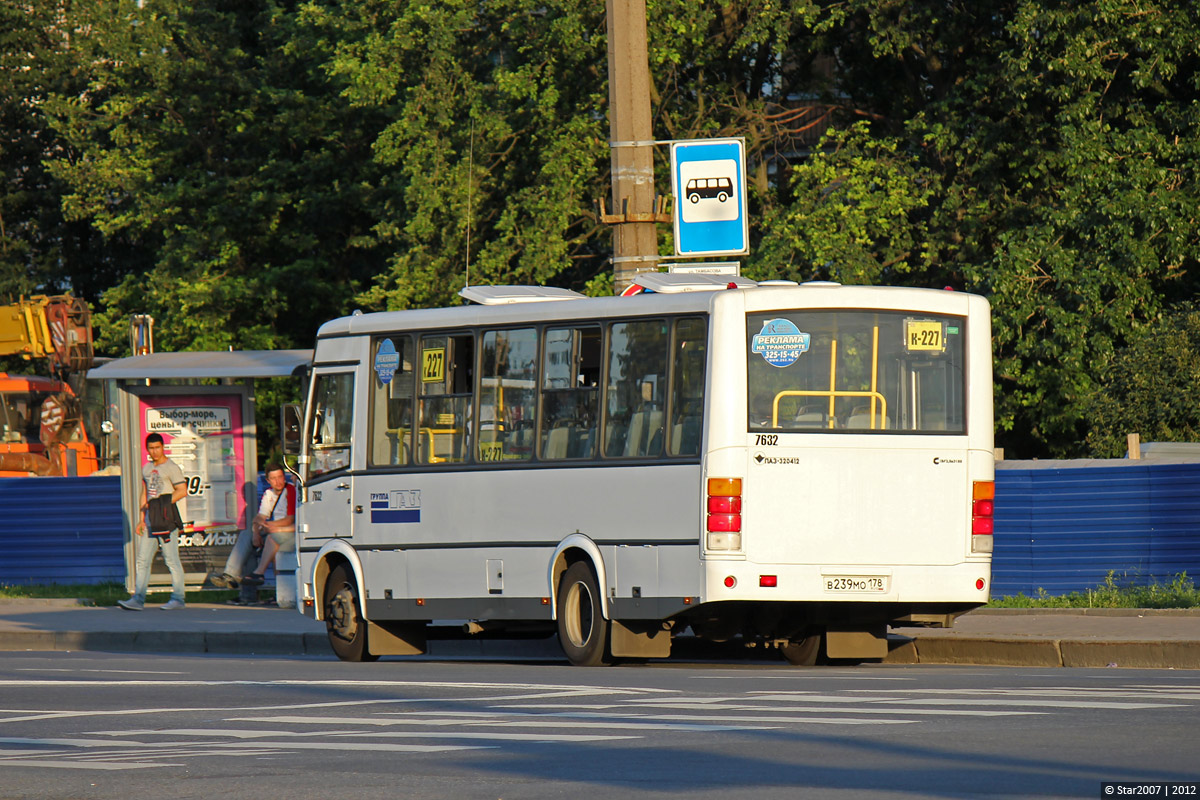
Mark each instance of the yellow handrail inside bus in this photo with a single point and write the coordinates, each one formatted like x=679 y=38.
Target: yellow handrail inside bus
x=832 y=395
x=430 y=433
x=875 y=378
x=832 y=381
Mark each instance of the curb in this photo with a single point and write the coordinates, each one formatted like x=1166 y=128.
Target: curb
x=226 y=643
x=980 y=651
x=1087 y=612
x=1003 y=651
x=47 y=602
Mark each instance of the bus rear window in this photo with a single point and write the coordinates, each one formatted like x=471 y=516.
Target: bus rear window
x=856 y=372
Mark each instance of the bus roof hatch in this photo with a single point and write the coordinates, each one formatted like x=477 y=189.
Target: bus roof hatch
x=502 y=295
x=676 y=282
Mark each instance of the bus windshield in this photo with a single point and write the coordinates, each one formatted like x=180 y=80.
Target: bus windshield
x=879 y=372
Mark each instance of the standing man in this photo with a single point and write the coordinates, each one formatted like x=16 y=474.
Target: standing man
x=161 y=479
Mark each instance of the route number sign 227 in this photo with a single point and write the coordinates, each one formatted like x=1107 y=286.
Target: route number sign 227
x=433 y=365
x=924 y=335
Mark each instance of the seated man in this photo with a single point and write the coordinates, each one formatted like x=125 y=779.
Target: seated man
x=274 y=526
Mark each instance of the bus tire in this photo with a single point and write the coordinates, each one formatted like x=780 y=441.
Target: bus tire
x=582 y=629
x=344 y=625
x=802 y=652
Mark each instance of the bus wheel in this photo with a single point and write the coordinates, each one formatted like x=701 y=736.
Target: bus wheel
x=582 y=628
x=802 y=652
x=346 y=628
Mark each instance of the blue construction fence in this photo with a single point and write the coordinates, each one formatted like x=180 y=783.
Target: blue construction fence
x=64 y=530
x=1061 y=526
x=61 y=530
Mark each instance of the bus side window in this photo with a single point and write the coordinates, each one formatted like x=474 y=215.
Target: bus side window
x=634 y=400
x=447 y=365
x=690 y=347
x=332 y=422
x=392 y=402
x=570 y=377
x=507 y=396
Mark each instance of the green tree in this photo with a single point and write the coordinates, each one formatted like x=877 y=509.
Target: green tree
x=1053 y=150
x=273 y=162
x=496 y=147
x=41 y=251
x=208 y=135
x=1151 y=387
x=859 y=214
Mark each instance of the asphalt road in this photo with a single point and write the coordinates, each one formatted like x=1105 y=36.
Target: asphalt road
x=148 y=726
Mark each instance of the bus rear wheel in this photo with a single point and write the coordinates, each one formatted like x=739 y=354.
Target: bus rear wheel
x=346 y=628
x=582 y=629
x=802 y=652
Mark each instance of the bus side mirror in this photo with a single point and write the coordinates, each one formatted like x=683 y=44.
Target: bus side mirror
x=289 y=428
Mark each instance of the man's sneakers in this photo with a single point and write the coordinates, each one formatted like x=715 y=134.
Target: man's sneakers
x=253 y=579
x=133 y=604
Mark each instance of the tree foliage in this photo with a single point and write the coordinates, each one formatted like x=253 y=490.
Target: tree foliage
x=41 y=250
x=208 y=135
x=245 y=170
x=495 y=148
x=1151 y=387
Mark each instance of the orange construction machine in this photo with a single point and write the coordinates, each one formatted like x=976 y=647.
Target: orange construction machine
x=41 y=420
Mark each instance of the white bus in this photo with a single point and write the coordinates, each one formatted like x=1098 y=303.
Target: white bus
x=798 y=466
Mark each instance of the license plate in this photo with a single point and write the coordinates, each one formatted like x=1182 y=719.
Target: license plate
x=855 y=583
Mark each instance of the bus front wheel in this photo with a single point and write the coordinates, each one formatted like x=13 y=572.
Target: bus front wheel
x=344 y=624
x=582 y=628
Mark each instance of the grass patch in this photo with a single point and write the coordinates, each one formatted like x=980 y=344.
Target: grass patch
x=107 y=594
x=1181 y=592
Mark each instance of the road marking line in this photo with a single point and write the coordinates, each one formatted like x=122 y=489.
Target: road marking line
x=233 y=733
x=1038 y=703
x=543 y=721
x=106 y=671
x=84 y=765
x=33 y=684
x=842 y=710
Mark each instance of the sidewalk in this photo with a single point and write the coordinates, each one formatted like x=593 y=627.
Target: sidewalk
x=1143 y=638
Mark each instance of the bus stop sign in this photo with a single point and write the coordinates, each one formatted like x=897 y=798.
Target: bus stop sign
x=709 y=180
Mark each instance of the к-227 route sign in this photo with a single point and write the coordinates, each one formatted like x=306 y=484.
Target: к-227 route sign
x=709 y=179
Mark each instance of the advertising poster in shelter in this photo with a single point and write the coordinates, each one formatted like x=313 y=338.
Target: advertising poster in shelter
x=203 y=434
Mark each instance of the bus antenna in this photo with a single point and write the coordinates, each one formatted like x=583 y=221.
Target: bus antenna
x=470 y=172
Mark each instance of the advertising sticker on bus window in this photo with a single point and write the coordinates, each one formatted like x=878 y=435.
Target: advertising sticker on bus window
x=387 y=361
x=780 y=342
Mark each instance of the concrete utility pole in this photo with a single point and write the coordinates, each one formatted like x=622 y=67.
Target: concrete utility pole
x=635 y=242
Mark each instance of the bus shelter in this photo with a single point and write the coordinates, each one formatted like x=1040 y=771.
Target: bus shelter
x=202 y=403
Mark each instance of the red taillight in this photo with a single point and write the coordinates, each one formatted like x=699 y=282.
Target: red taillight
x=724 y=506
x=983 y=511
x=768 y=580
x=729 y=523
x=730 y=581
